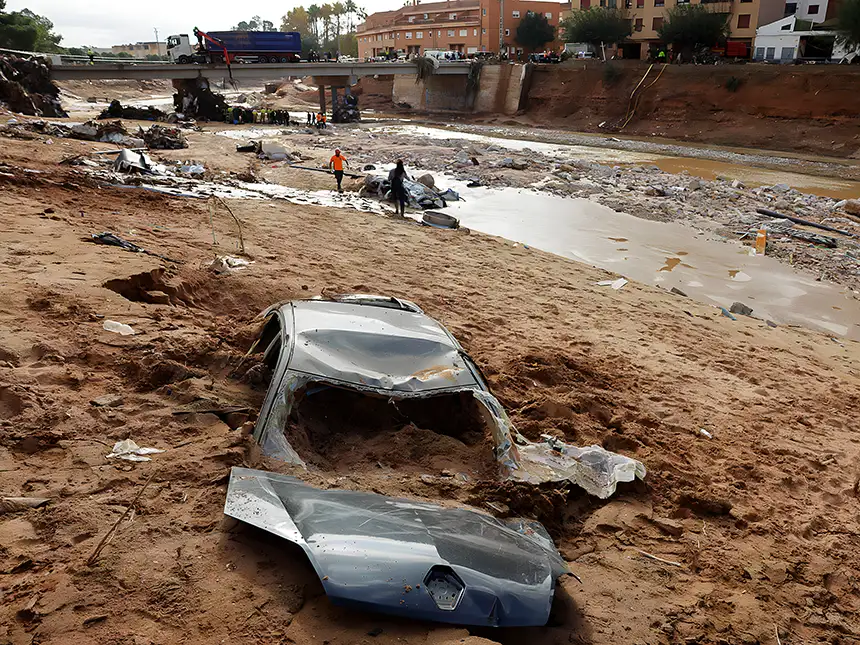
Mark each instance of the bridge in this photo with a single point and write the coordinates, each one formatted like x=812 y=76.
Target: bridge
x=244 y=71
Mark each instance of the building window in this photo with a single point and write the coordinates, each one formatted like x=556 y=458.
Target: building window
x=464 y=32
x=759 y=53
x=475 y=32
x=426 y=16
x=452 y=16
x=790 y=8
x=483 y=12
x=419 y=35
x=640 y=4
x=813 y=9
x=548 y=15
x=483 y=30
x=411 y=18
x=659 y=3
x=744 y=21
x=787 y=53
x=408 y=35
x=769 y=53
x=656 y=23
x=516 y=14
x=688 y=1
x=398 y=35
x=439 y=33
x=585 y=4
x=507 y=32
x=450 y=33
x=638 y=25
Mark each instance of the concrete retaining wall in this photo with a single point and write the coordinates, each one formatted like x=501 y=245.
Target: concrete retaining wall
x=502 y=90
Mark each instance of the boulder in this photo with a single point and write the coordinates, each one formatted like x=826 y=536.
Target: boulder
x=427 y=180
x=852 y=207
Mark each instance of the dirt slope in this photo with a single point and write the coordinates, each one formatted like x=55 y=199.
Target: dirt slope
x=795 y=108
x=762 y=518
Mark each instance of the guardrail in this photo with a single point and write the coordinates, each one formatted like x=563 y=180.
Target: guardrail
x=71 y=59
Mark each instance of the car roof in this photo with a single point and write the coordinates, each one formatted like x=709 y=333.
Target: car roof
x=388 y=345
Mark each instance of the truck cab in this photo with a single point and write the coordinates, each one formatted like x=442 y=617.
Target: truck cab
x=180 y=50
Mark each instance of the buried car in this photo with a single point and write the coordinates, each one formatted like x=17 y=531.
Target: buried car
x=383 y=348
x=404 y=557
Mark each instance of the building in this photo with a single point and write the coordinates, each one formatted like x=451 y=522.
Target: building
x=466 y=26
x=745 y=16
x=140 y=50
x=792 y=38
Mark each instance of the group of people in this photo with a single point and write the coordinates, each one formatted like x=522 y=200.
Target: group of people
x=317 y=120
x=396 y=177
x=237 y=115
x=314 y=57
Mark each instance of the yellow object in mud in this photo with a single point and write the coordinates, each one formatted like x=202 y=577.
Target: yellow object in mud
x=760 y=241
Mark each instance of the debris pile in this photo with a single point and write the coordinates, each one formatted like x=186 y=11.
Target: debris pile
x=105 y=132
x=346 y=110
x=159 y=137
x=26 y=87
x=420 y=196
x=195 y=99
x=116 y=111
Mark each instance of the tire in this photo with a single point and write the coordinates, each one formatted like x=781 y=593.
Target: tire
x=284 y=59
x=440 y=220
x=263 y=59
x=184 y=60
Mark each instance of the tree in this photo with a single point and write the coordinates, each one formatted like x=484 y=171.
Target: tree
x=25 y=30
x=325 y=16
x=691 y=27
x=534 y=31
x=597 y=26
x=297 y=20
x=848 y=24
x=313 y=18
x=255 y=24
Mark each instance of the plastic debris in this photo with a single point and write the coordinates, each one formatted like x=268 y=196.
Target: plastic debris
x=228 y=264
x=130 y=451
x=727 y=313
x=619 y=283
x=705 y=433
x=118 y=328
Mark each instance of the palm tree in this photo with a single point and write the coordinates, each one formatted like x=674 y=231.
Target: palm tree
x=351 y=11
x=325 y=14
x=314 y=14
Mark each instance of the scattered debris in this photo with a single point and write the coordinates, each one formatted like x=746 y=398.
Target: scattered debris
x=741 y=309
x=118 y=328
x=159 y=137
x=108 y=400
x=513 y=164
x=346 y=110
x=116 y=111
x=615 y=284
x=464 y=586
x=705 y=433
x=726 y=313
x=15 y=504
x=678 y=292
x=440 y=220
x=804 y=222
x=130 y=161
x=114 y=240
x=228 y=264
x=130 y=451
x=657 y=559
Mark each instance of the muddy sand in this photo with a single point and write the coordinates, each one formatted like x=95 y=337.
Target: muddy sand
x=760 y=518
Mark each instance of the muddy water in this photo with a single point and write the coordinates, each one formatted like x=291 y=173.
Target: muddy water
x=662 y=254
x=704 y=168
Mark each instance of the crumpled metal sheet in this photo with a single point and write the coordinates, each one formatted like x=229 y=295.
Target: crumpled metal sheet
x=401 y=353
x=407 y=558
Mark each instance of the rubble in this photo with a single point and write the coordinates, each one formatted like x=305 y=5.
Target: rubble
x=26 y=87
x=116 y=111
x=346 y=110
x=159 y=137
x=195 y=99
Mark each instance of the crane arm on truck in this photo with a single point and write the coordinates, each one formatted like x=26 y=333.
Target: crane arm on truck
x=200 y=35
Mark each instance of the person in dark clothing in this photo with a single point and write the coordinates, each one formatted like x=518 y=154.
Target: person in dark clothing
x=398 y=190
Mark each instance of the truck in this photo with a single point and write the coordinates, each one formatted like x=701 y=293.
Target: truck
x=235 y=46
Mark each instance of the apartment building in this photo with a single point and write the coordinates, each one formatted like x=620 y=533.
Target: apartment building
x=646 y=17
x=466 y=26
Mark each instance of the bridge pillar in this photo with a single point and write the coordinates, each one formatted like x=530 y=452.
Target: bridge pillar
x=322 y=99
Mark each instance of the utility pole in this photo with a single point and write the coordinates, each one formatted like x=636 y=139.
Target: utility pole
x=157 y=43
x=501 y=26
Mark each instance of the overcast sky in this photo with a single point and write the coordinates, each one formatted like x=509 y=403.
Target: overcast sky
x=103 y=23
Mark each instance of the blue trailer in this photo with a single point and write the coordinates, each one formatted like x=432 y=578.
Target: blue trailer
x=236 y=46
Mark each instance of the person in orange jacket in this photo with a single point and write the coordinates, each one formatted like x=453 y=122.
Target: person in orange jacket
x=336 y=165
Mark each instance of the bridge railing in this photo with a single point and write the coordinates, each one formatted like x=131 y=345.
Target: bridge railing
x=70 y=59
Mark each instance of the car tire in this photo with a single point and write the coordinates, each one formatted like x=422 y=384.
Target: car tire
x=183 y=60
x=440 y=220
x=262 y=59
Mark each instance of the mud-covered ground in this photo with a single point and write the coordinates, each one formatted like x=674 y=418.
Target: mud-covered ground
x=761 y=518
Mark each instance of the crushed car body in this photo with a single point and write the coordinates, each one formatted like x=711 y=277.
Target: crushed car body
x=405 y=557
x=387 y=347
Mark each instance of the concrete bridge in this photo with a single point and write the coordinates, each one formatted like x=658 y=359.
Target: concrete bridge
x=245 y=71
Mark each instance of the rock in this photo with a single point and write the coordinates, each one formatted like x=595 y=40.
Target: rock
x=852 y=207
x=566 y=167
x=780 y=188
x=156 y=297
x=654 y=191
x=369 y=166
x=740 y=308
x=427 y=180
x=667 y=526
x=695 y=184
x=107 y=401
x=738 y=184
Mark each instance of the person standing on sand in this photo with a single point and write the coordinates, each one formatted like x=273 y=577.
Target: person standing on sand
x=336 y=165
x=398 y=190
